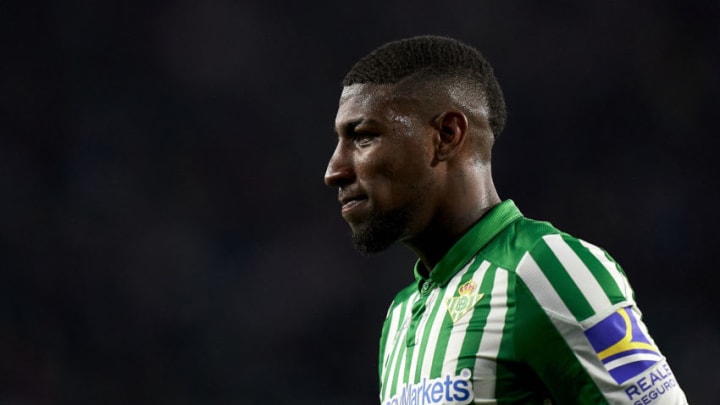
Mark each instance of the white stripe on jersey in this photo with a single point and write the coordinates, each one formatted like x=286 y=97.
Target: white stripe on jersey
x=437 y=323
x=429 y=306
x=392 y=331
x=584 y=352
x=398 y=344
x=399 y=321
x=484 y=377
x=632 y=358
x=580 y=274
x=612 y=268
x=401 y=369
x=540 y=286
x=458 y=332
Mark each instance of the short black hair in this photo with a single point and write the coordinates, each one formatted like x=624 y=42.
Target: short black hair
x=439 y=57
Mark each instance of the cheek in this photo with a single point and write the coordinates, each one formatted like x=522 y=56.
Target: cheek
x=401 y=172
x=380 y=180
x=401 y=182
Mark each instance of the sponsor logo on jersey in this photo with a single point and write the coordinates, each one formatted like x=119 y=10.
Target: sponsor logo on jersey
x=460 y=305
x=621 y=345
x=653 y=385
x=448 y=389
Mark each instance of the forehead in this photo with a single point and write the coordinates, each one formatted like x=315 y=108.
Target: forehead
x=370 y=102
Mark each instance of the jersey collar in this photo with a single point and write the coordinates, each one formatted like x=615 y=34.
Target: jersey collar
x=469 y=244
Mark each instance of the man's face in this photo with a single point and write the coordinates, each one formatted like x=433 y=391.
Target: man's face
x=382 y=166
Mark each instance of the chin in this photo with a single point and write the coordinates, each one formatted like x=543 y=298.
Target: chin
x=370 y=246
x=379 y=232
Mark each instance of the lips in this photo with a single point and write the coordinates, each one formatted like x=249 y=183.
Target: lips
x=350 y=202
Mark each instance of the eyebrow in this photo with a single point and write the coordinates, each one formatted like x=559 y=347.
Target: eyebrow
x=351 y=126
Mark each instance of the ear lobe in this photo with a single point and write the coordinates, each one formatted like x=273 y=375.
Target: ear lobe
x=452 y=127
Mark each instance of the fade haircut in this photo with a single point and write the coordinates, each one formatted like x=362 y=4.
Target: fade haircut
x=433 y=57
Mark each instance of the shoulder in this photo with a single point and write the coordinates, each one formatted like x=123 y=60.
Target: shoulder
x=515 y=240
x=573 y=278
x=404 y=295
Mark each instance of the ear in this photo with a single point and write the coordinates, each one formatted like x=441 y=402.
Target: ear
x=452 y=127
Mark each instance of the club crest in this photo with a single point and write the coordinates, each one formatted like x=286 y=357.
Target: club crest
x=465 y=300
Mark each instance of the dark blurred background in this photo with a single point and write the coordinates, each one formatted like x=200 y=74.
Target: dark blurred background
x=165 y=235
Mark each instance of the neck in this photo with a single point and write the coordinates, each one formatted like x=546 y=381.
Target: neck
x=461 y=208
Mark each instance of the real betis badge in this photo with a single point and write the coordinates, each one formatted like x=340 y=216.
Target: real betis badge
x=460 y=305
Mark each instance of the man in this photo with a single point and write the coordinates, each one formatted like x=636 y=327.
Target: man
x=504 y=309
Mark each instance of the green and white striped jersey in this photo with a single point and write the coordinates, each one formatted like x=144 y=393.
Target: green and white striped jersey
x=518 y=312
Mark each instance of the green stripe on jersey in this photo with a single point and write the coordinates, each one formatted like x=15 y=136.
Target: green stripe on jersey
x=471 y=342
x=467 y=323
x=398 y=315
x=561 y=281
x=598 y=270
x=540 y=345
x=447 y=325
x=383 y=344
x=437 y=318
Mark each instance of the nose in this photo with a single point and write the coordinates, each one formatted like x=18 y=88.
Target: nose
x=340 y=171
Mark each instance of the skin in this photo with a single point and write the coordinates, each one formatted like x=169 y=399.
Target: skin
x=414 y=151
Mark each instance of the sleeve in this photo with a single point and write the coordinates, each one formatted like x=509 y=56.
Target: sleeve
x=577 y=326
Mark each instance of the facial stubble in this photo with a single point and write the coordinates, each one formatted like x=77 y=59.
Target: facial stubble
x=380 y=231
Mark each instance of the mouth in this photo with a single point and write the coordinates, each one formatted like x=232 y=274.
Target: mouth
x=350 y=203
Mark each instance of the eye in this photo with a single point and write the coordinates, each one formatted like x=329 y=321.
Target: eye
x=363 y=139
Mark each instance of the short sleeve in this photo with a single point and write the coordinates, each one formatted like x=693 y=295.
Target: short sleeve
x=579 y=328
